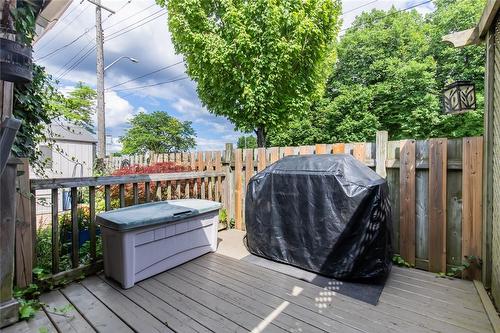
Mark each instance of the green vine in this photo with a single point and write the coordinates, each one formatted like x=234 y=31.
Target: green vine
x=399 y=261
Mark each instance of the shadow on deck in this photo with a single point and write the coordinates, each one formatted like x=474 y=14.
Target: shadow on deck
x=217 y=293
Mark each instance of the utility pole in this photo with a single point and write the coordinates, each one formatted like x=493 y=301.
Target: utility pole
x=101 y=119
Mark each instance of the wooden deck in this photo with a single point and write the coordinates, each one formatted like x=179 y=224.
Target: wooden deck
x=216 y=293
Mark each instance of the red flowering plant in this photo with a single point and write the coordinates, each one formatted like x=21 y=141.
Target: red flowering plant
x=162 y=167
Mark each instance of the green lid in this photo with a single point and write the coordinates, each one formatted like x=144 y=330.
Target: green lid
x=154 y=213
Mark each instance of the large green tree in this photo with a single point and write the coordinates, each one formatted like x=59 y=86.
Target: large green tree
x=258 y=63
x=389 y=75
x=157 y=132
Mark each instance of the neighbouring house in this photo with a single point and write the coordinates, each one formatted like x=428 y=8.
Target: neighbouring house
x=487 y=32
x=70 y=154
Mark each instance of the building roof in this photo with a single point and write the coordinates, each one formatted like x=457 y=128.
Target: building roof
x=478 y=33
x=70 y=132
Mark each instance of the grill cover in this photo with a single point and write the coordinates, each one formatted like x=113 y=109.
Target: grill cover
x=328 y=214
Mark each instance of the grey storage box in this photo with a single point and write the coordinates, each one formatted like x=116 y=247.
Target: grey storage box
x=143 y=240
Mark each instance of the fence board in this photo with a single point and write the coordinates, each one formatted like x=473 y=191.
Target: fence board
x=472 y=201
x=393 y=182
x=407 y=201
x=218 y=168
x=437 y=204
x=289 y=151
x=92 y=225
x=209 y=180
x=321 y=149
x=274 y=152
x=338 y=148
x=261 y=159
x=359 y=151
x=75 y=260
x=55 y=230
x=422 y=203
x=306 y=150
x=381 y=153
x=23 y=236
x=238 y=188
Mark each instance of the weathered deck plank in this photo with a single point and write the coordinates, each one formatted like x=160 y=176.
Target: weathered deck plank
x=63 y=314
x=133 y=315
x=95 y=312
x=215 y=293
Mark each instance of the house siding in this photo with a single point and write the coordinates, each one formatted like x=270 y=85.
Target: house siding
x=76 y=159
x=494 y=117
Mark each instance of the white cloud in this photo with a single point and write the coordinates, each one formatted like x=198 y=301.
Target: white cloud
x=187 y=107
x=114 y=146
x=118 y=110
x=209 y=144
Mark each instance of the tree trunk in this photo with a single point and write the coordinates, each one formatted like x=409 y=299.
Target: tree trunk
x=261 y=136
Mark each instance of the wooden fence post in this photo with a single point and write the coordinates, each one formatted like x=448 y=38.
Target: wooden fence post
x=407 y=216
x=438 y=164
x=472 y=199
x=381 y=153
x=24 y=245
x=238 y=193
x=229 y=181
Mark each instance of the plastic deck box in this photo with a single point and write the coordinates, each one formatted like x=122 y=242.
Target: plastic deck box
x=143 y=240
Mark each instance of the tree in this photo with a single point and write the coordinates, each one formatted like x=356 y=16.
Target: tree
x=389 y=75
x=247 y=141
x=39 y=103
x=79 y=106
x=157 y=132
x=454 y=64
x=259 y=63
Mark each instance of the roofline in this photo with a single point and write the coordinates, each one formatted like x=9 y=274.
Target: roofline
x=477 y=34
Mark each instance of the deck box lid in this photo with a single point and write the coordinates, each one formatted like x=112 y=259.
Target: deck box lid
x=153 y=213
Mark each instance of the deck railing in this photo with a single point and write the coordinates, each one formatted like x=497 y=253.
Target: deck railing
x=435 y=190
x=114 y=191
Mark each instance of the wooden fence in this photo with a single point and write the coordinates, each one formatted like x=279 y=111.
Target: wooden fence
x=119 y=190
x=435 y=190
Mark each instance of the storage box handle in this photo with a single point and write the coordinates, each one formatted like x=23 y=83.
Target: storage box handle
x=182 y=213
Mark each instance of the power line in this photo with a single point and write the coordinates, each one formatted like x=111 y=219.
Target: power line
x=352 y=10
x=78 y=62
x=66 y=45
x=130 y=16
x=151 y=85
x=56 y=35
x=62 y=70
x=147 y=74
x=130 y=27
x=394 y=13
x=139 y=23
x=117 y=11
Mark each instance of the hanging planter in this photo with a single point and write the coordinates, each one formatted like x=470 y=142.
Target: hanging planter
x=15 y=61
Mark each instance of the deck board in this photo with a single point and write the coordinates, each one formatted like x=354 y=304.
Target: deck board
x=215 y=293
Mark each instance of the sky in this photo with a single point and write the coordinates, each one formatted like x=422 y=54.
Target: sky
x=61 y=52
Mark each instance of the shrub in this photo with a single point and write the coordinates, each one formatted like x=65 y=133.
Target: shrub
x=162 y=167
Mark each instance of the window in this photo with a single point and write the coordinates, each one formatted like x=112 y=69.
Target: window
x=46 y=156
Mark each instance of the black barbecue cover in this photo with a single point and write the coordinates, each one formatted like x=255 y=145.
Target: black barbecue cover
x=328 y=214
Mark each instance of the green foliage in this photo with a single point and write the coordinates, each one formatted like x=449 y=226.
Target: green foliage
x=38 y=103
x=389 y=75
x=258 y=63
x=399 y=261
x=247 y=141
x=159 y=133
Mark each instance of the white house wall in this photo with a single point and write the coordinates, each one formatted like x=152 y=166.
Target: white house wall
x=64 y=167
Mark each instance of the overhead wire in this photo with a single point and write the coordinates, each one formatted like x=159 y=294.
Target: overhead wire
x=359 y=7
x=147 y=74
x=394 y=13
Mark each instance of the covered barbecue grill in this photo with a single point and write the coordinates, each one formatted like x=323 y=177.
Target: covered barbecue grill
x=328 y=214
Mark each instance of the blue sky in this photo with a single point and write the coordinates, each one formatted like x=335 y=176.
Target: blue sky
x=149 y=43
